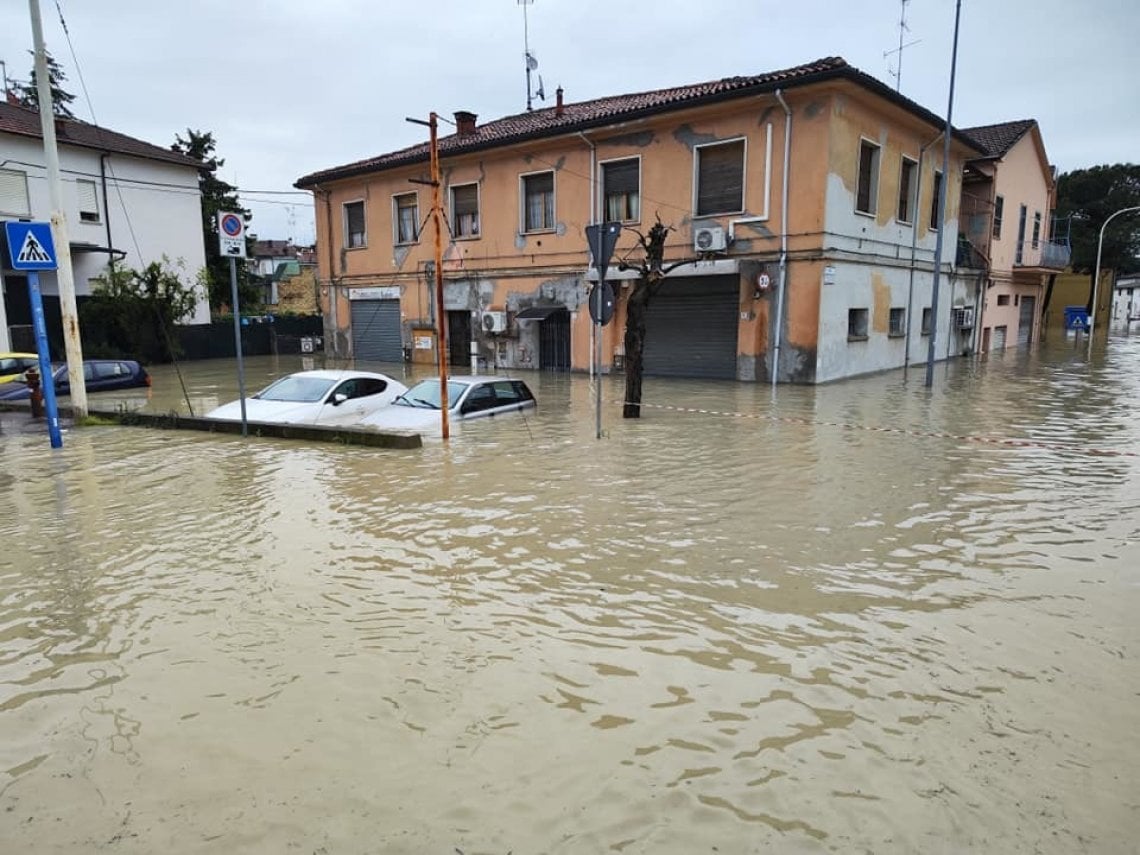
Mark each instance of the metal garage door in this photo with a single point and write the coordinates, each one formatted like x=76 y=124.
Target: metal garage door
x=1025 y=321
x=376 y=331
x=691 y=328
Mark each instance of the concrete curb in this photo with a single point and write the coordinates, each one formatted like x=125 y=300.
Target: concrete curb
x=175 y=421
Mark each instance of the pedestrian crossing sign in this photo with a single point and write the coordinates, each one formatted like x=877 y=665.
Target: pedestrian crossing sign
x=30 y=246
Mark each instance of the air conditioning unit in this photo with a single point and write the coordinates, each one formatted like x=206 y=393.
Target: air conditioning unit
x=964 y=318
x=495 y=322
x=709 y=239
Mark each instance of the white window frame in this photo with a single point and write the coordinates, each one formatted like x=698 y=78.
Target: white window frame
x=877 y=169
x=98 y=214
x=912 y=201
x=743 y=177
x=27 y=198
x=478 y=209
x=892 y=332
x=396 y=219
x=344 y=223
x=553 y=173
x=601 y=214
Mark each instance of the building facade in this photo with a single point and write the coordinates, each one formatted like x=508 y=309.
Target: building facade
x=1008 y=199
x=803 y=203
x=124 y=199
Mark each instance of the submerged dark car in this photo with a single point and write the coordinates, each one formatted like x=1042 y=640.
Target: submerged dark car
x=99 y=375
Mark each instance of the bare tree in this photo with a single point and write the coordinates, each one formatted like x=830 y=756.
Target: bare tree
x=653 y=272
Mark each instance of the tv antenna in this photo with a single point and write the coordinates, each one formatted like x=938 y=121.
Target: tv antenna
x=896 y=73
x=531 y=62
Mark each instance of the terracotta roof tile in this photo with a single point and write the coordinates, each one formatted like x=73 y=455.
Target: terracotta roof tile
x=602 y=111
x=997 y=140
x=22 y=121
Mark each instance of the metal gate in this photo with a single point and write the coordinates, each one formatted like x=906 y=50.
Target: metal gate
x=376 y=331
x=1025 y=321
x=999 y=338
x=459 y=337
x=554 y=342
x=691 y=328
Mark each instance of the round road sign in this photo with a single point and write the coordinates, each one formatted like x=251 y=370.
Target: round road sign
x=231 y=225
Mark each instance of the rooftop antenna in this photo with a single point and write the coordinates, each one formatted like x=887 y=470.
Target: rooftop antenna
x=903 y=30
x=531 y=62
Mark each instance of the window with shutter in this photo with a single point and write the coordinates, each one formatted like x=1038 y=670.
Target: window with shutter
x=465 y=210
x=720 y=178
x=407 y=210
x=621 y=180
x=867 y=190
x=538 y=202
x=88 y=201
x=14 y=193
x=354 y=225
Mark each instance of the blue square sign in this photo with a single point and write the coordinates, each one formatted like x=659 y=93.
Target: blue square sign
x=30 y=245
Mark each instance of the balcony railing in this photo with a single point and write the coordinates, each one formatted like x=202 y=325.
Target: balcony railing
x=1051 y=254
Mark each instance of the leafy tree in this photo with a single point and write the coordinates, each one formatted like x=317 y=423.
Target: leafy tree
x=1090 y=196
x=29 y=95
x=653 y=272
x=217 y=195
x=132 y=313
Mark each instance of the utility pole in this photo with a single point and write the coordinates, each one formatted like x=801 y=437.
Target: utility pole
x=942 y=204
x=440 y=314
x=64 y=276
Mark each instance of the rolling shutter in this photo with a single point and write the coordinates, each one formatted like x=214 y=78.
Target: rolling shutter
x=376 y=331
x=1025 y=321
x=691 y=328
x=14 y=193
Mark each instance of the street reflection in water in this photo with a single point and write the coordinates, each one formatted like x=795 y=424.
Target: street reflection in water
x=768 y=627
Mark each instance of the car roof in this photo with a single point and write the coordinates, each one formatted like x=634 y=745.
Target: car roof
x=339 y=374
x=473 y=378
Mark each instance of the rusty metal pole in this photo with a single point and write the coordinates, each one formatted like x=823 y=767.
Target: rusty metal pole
x=63 y=275
x=440 y=314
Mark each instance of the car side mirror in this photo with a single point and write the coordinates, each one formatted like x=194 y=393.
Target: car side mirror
x=339 y=398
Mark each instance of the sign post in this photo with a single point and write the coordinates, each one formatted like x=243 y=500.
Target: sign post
x=32 y=249
x=231 y=243
x=602 y=238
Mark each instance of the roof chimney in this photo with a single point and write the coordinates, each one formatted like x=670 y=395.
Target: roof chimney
x=464 y=123
x=558 y=102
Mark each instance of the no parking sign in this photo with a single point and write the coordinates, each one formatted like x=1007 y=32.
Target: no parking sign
x=231 y=234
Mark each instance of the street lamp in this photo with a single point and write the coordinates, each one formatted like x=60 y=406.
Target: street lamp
x=1096 y=280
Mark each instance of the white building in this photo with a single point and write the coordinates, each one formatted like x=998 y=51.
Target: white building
x=123 y=198
x=1126 y=300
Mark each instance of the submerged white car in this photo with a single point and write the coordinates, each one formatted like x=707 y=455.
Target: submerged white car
x=342 y=398
x=468 y=397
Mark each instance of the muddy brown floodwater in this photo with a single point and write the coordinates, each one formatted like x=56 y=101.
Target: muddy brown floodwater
x=828 y=620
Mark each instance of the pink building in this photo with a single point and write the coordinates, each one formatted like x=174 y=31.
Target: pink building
x=1007 y=203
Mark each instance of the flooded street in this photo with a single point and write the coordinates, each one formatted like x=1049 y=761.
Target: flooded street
x=773 y=627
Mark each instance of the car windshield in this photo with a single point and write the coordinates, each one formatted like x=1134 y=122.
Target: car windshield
x=296 y=388
x=426 y=394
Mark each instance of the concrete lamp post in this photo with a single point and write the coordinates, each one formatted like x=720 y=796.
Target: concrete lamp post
x=1096 y=279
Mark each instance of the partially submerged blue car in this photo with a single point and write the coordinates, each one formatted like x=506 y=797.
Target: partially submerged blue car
x=99 y=375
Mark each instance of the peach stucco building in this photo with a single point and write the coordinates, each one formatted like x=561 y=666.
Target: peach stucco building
x=804 y=198
x=1008 y=200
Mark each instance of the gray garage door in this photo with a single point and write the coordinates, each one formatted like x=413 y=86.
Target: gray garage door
x=376 y=331
x=691 y=328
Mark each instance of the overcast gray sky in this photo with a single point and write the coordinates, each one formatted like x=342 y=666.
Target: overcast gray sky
x=292 y=86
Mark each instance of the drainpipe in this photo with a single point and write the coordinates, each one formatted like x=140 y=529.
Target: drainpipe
x=783 y=235
x=332 y=260
x=595 y=364
x=106 y=209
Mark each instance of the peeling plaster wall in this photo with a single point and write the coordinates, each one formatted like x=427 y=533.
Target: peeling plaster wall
x=878 y=290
